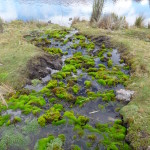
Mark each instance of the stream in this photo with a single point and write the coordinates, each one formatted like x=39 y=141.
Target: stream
x=97 y=110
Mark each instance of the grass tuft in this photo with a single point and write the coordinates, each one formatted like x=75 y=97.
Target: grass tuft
x=139 y=22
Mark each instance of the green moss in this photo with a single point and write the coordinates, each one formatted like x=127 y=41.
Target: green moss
x=27 y=103
x=75 y=89
x=56 y=34
x=59 y=122
x=101 y=66
x=69 y=68
x=16 y=120
x=102 y=82
x=53 y=50
x=61 y=75
x=80 y=100
x=88 y=84
x=121 y=61
x=46 y=91
x=42 y=121
x=52 y=84
x=4 y=119
x=75 y=147
x=51 y=115
x=61 y=93
x=102 y=59
x=52 y=100
x=65 y=41
x=108 y=96
x=109 y=63
x=92 y=137
x=80 y=37
x=62 y=137
x=51 y=143
x=75 y=46
x=58 y=107
x=109 y=54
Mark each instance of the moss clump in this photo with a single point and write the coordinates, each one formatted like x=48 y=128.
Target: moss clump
x=52 y=100
x=121 y=61
x=109 y=63
x=80 y=100
x=69 y=68
x=102 y=82
x=88 y=84
x=27 y=103
x=56 y=34
x=108 y=96
x=61 y=93
x=53 y=50
x=75 y=46
x=65 y=41
x=80 y=37
x=81 y=120
x=75 y=89
x=51 y=115
x=61 y=75
x=52 y=84
x=42 y=121
x=80 y=61
x=51 y=142
x=92 y=137
x=109 y=54
x=4 y=119
x=101 y=66
x=75 y=147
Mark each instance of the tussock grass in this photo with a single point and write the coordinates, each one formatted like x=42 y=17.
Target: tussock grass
x=75 y=20
x=149 y=25
x=1 y=25
x=135 y=50
x=112 y=22
x=97 y=10
x=15 y=51
x=139 y=22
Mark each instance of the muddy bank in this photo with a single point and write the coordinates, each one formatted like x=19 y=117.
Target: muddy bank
x=40 y=66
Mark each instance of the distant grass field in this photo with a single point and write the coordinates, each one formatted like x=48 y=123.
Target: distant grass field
x=15 y=51
x=136 y=45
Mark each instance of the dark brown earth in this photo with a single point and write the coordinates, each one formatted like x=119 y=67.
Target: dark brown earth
x=39 y=67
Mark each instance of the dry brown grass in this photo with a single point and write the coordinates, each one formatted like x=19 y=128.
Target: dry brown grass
x=112 y=22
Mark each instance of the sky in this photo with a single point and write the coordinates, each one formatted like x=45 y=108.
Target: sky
x=59 y=11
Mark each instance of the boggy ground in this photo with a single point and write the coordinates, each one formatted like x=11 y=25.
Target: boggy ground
x=73 y=104
x=134 y=45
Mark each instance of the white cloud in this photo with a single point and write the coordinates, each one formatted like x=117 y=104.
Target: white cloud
x=8 y=11
x=144 y=2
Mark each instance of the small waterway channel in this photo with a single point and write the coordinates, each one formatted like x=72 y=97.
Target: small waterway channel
x=95 y=80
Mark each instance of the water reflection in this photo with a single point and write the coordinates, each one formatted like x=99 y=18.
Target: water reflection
x=59 y=11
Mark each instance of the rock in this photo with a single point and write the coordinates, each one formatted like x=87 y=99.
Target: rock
x=148 y=148
x=124 y=95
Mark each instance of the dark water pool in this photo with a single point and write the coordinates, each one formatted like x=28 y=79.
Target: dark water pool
x=59 y=11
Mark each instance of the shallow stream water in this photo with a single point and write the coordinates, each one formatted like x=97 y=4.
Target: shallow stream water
x=90 y=109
